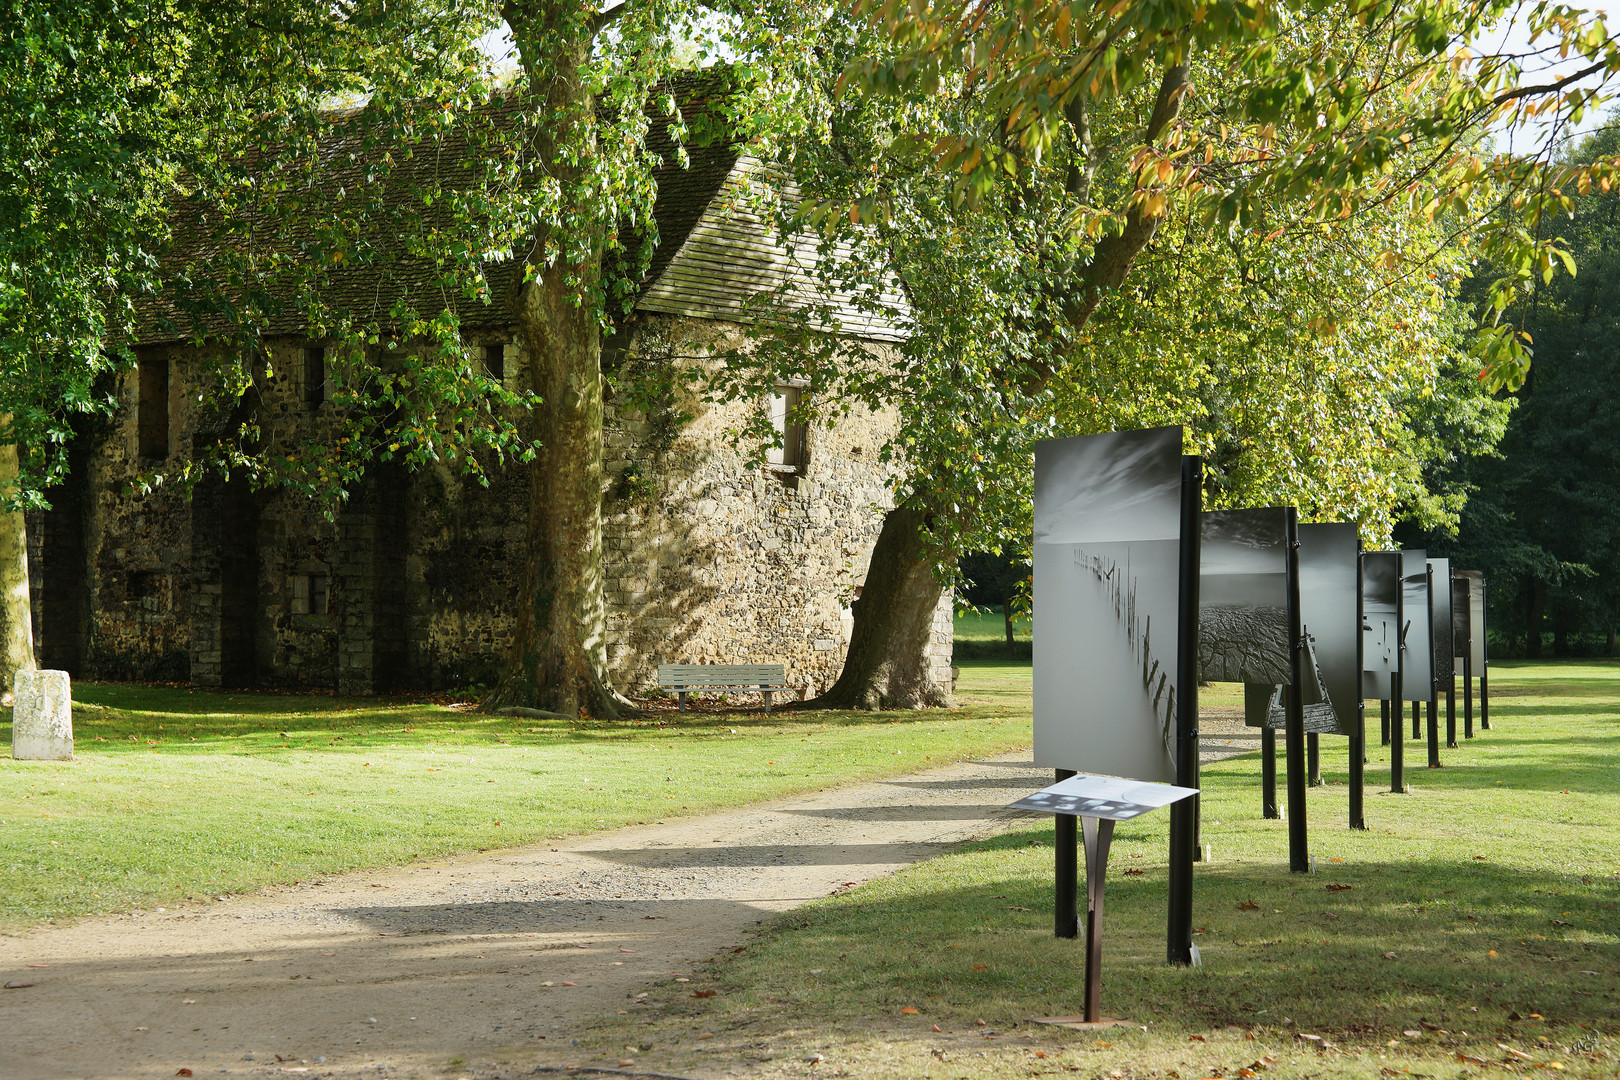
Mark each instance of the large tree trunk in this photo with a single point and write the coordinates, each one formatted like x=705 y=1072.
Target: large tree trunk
x=16 y=621
x=559 y=653
x=888 y=665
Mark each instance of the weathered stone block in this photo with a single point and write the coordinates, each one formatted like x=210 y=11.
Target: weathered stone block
x=42 y=722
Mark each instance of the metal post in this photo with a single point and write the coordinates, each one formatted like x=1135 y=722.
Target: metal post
x=1268 y=773
x=1299 y=856
x=1434 y=731
x=1397 y=738
x=1066 y=868
x=1358 y=737
x=1484 y=668
x=1313 y=759
x=1178 y=944
x=1099 y=833
x=1451 y=713
x=1468 y=695
x=1417 y=720
x=1383 y=715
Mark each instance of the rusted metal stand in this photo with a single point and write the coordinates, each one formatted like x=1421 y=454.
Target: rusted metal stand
x=1099 y=834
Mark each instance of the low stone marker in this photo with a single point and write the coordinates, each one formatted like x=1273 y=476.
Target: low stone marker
x=42 y=719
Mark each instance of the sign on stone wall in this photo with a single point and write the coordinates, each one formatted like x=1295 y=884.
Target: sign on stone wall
x=1107 y=541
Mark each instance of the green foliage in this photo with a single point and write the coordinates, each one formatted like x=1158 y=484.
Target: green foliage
x=1542 y=522
x=1242 y=112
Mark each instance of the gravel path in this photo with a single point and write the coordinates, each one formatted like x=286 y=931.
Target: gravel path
x=454 y=967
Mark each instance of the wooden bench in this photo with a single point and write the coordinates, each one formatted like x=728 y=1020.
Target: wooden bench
x=765 y=679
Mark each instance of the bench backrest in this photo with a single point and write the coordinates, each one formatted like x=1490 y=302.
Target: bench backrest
x=701 y=675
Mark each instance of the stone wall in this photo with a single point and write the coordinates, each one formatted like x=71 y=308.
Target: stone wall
x=710 y=554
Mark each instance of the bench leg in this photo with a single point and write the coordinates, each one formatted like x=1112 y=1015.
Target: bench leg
x=767 y=701
x=680 y=695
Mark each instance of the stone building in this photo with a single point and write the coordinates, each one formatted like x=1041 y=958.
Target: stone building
x=710 y=556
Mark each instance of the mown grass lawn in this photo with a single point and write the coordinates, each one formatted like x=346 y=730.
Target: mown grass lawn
x=183 y=793
x=1473 y=930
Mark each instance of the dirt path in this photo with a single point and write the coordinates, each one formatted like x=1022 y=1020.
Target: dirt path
x=477 y=966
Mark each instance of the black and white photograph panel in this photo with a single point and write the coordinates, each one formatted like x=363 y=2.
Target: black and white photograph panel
x=1119 y=486
x=1461 y=623
x=1243 y=597
x=1380 y=630
x=1328 y=555
x=1476 y=618
x=1106 y=611
x=1440 y=613
x=1102 y=797
x=1417 y=672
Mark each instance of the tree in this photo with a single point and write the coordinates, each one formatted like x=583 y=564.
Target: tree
x=1541 y=521
x=1166 y=234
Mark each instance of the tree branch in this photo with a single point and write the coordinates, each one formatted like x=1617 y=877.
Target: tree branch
x=605 y=19
x=1548 y=88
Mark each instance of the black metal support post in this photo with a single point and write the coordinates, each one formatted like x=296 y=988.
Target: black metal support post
x=1358 y=737
x=1313 y=760
x=1485 y=697
x=1268 y=773
x=1099 y=833
x=1178 y=944
x=1434 y=731
x=1299 y=856
x=1066 y=868
x=1383 y=715
x=1468 y=697
x=1397 y=737
x=1451 y=713
x=1417 y=720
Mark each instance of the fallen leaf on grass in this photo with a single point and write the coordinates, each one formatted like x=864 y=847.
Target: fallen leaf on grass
x=183 y=1072
x=1012 y=908
x=980 y=967
x=1248 y=905
x=1135 y=873
x=706 y=1035
x=1196 y=1038
x=909 y=1010
x=47 y=965
x=1338 y=887
x=937 y=1027
x=1412 y=1033
x=570 y=984
x=703 y=993
x=1469 y=1059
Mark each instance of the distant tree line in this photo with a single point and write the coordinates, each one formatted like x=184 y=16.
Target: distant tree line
x=1543 y=518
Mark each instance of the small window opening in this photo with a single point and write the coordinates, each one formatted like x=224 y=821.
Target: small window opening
x=495 y=363
x=311 y=594
x=314 y=375
x=788 y=455
x=148 y=594
x=152 y=408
